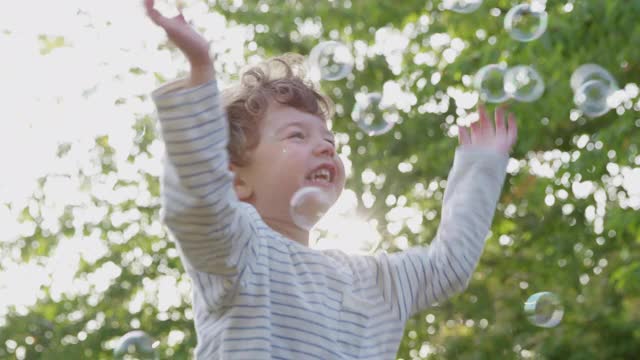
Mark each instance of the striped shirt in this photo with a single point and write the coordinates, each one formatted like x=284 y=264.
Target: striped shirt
x=258 y=295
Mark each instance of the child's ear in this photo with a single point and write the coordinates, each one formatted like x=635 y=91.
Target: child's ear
x=244 y=191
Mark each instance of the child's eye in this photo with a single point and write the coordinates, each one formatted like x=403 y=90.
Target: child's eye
x=297 y=134
x=331 y=141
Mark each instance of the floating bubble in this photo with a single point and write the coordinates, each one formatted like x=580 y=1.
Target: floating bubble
x=523 y=83
x=136 y=345
x=588 y=72
x=544 y=309
x=308 y=205
x=526 y=22
x=489 y=81
x=330 y=60
x=373 y=114
x=140 y=133
x=592 y=97
x=462 y=6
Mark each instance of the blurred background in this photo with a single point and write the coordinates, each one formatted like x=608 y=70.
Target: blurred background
x=87 y=270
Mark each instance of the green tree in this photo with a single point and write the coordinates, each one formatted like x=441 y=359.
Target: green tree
x=567 y=221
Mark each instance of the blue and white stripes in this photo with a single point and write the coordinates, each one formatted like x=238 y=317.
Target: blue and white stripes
x=258 y=295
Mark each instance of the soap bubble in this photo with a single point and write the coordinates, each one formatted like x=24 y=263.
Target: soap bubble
x=308 y=205
x=592 y=98
x=489 y=81
x=544 y=309
x=330 y=60
x=140 y=133
x=523 y=83
x=526 y=22
x=136 y=345
x=373 y=114
x=588 y=72
x=462 y=6
x=593 y=87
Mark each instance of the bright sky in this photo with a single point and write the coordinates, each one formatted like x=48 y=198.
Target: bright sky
x=68 y=95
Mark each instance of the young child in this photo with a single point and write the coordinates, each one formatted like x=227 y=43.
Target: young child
x=231 y=169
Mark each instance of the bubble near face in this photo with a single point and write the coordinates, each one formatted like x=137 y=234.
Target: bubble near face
x=308 y=205
x=136 y=345
x=526 y=22
x=373 y=115
x=489 y=81
x=523 y=83
x=462 y=6
x=330 y=60
x=544 y=309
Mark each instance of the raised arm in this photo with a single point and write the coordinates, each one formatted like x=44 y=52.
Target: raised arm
x=412 y=280
x=212 y=227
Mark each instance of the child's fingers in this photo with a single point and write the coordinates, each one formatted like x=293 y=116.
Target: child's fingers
x=501 y=129
x=485 y=125
x=476 y=132
x=499 y=113
x=161 y=20
x=148 y=5
x=463 y=135
x=512 y=131
x=154 y=14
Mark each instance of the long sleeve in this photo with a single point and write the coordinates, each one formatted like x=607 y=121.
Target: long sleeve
x=411 y=280
x=212 y=228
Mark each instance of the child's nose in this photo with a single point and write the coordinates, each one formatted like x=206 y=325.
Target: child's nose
x=325 y=148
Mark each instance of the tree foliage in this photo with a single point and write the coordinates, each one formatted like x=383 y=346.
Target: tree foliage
x=567 y=221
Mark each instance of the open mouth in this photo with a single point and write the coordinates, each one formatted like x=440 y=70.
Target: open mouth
x=324 y=174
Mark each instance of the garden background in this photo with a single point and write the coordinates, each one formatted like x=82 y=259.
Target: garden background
x=84 y=259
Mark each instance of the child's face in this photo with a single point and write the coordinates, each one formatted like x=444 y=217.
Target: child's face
x=296 y=150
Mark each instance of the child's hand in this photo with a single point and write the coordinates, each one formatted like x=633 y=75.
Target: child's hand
x=483 y=133
x=193 y=45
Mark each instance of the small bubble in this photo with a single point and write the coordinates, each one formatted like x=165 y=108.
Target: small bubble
x=526 y=22
x=330 y=60
x=544 y=309
x=140 y=134
x=462 y=6
x=308 y=205
x=523 y=83
x=136 y=344
x=373 y=114
x=489 y=81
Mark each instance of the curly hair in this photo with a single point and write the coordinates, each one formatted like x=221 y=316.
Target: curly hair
x=280 y=79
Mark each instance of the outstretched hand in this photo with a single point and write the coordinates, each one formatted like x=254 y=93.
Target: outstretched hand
x=193 y=45
x=484 y=134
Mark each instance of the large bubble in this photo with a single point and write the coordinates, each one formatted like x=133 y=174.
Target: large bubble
x=523 y=83
x=373 y=114
x=136 y=345
x=588 y=72
x=593 y=87
x=526 y=22
x=308 y=205
x=544 y=309
x=592 y=97
x=462 y=6
x=330 y=60
x=489 y=81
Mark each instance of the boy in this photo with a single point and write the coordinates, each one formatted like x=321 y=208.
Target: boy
x=259 y=291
